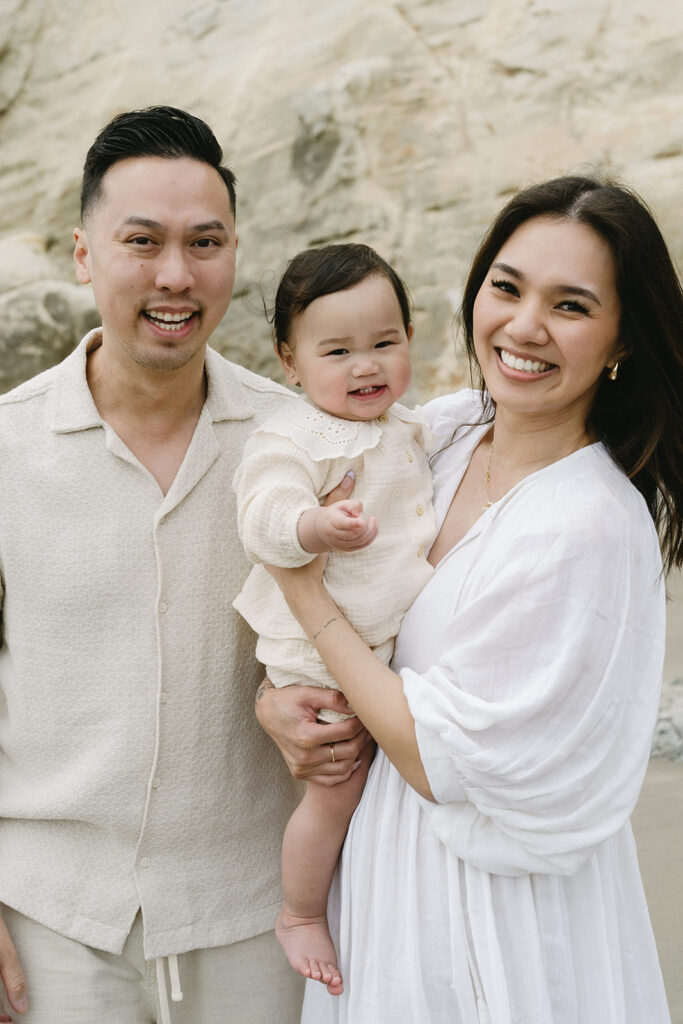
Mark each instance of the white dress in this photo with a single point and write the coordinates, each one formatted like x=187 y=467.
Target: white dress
x=532 y=665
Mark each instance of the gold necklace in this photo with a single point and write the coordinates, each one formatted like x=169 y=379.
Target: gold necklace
x=488 y=479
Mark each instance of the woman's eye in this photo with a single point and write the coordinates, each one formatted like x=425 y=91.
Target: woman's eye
x=505 y=286
x=572 y=306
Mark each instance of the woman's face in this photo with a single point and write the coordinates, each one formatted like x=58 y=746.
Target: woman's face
x=546 y=320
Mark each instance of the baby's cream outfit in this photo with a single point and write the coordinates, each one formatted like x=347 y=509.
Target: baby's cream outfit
x=290 y=463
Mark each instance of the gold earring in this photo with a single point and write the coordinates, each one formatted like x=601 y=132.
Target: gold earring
x=612 y=375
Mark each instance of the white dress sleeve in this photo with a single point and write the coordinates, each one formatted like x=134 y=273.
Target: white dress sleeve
x=535 y=725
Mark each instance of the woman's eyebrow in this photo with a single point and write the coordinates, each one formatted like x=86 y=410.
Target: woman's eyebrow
x=573 y=289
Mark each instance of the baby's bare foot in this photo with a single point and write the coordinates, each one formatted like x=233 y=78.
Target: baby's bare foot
x=309 y=949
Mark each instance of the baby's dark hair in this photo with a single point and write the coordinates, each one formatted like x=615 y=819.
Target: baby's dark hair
x=322 y=271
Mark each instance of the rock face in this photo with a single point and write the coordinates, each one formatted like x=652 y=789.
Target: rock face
x=403 y=124
x=43 y=317
x=668 y=738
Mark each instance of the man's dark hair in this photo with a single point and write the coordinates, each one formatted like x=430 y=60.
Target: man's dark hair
x=156 y=131
x=637 y=416
x=322 y=271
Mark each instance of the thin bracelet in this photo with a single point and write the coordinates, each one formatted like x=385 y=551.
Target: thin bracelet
x=328 y=623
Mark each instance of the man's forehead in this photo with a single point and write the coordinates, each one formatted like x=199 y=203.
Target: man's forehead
x=155 y=189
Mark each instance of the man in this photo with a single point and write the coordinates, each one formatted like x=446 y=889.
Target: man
x=141 y=807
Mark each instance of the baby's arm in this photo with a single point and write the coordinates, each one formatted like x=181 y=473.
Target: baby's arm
x=336 y=527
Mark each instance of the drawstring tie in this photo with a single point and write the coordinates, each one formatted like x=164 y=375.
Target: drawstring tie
x=176 y=993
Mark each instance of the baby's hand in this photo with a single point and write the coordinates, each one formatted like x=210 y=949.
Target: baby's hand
x=336 y=527
x=342 y=527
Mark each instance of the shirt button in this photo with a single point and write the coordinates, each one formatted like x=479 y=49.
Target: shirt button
x=155 y=783
x=420 y=510
x=144 y=862
x=163 y=607
x=163 y=697
x=383 y=418
x=420 y=552
x=410 y=456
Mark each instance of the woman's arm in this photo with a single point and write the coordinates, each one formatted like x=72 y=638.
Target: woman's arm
x=371 y=688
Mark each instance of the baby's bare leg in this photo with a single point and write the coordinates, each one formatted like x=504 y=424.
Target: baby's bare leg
x=313 y=839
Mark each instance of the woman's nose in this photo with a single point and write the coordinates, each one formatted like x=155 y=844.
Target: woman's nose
x=527 y=325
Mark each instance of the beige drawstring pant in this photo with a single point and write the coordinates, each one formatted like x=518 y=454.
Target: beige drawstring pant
x=246 y=982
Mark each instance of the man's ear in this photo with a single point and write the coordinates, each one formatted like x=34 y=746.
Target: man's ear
x=81 y=256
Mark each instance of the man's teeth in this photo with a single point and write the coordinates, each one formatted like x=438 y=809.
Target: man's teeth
x=528 y=365
x=168 y=321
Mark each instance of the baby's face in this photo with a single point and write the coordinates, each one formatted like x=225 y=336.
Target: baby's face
x=350 y=350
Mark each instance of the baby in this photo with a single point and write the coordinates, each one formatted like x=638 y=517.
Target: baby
x=342 y=332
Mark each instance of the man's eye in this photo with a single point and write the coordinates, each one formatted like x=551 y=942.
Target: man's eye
x=140 y=240
x=205 y=243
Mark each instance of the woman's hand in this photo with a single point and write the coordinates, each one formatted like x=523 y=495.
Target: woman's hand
x=289 y=716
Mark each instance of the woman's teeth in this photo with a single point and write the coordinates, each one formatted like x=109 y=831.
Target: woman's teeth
x=528 y=365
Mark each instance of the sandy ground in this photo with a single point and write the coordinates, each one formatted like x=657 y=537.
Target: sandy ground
x=658 y=827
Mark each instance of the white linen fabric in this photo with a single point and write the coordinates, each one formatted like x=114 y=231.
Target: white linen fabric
x=290 y=463
x=532 y=665
x=133 y=772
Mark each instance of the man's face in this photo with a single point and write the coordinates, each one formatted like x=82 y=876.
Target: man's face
x=159 y=248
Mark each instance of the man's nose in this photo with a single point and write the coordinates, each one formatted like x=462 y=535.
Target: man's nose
x=173 y=270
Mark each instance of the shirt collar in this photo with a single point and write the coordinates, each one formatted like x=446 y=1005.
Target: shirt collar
x=73 y=407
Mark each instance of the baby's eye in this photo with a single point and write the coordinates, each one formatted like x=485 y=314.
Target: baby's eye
x=505 y=286
x=384 y=344
x=337 y=352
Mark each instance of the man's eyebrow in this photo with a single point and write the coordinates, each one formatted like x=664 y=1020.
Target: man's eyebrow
x=210 y=225
x=573 y=289
x=144 y=222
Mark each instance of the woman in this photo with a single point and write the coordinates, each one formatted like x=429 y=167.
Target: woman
x=489 y=874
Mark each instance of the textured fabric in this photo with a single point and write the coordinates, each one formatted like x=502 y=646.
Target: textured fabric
x=132 y=769
x=247 y=982
x=532 y=665
x=290 y=463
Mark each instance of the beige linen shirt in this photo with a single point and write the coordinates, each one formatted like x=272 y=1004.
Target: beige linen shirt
x=132 y=770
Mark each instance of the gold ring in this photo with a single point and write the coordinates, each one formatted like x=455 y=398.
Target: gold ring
x=331 y=746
